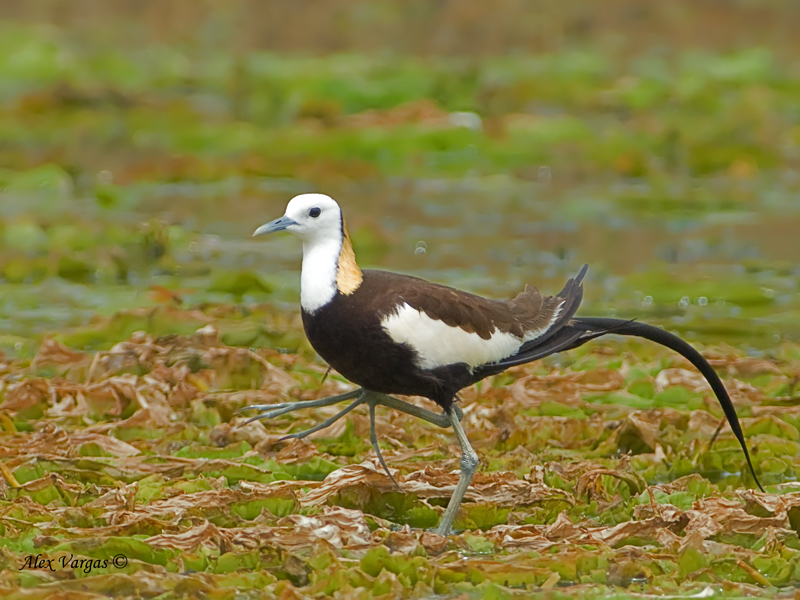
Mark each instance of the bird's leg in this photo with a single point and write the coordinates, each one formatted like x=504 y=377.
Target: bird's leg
x=440 y=419
x=469 y=463
x=374 y=399
x=269 y=411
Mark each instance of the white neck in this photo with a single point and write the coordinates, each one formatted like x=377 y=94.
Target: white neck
x=320 y=267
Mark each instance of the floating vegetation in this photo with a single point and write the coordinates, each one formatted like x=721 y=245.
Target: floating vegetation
x=609 y=471
x=136 y=316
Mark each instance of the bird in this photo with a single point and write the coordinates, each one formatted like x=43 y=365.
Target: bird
x=395 y=334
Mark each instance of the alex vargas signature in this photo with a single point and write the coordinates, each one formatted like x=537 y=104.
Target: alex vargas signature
x=68 y=561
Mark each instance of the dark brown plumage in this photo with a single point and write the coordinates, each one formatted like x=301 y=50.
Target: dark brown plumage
x=348 y=332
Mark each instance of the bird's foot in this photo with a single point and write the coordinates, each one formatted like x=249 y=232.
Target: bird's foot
x=362 y=396
x=269 y=411
x=327 y=422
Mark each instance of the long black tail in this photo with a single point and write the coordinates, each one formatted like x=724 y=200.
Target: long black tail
x=580 y=330
x=597 y=326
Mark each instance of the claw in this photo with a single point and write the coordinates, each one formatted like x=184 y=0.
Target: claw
x=373 y=437
x=262 y=407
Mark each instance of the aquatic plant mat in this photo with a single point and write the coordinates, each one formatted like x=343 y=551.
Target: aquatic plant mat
x=606 y=472
x=141 y=143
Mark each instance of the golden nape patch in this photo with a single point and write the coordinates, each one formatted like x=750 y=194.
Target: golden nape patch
x=349 y=276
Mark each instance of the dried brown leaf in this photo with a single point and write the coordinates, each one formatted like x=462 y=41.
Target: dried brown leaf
x=108 y=444
x=338 y=527
x=733 y=518
x=297 y=451
x=744 y=366
x=563 y=529
x=238 y=430
x=705 y=424
x=526 y=538
x=671 y=519
x=433 y=542
x=690 y=379
x=56 y=353
x=204 y=534
x=26 y=394
x=53 y=479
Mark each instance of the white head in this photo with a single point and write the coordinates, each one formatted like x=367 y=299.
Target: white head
x=328 y=259
x=309 y=217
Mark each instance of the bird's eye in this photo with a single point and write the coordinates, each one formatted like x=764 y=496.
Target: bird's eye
x=314 y=212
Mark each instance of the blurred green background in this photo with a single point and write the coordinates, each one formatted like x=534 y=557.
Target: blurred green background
x=481 y=144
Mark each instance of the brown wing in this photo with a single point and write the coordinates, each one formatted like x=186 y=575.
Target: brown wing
x=527 y=312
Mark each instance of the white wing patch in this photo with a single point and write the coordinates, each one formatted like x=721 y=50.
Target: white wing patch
x=438 y=344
